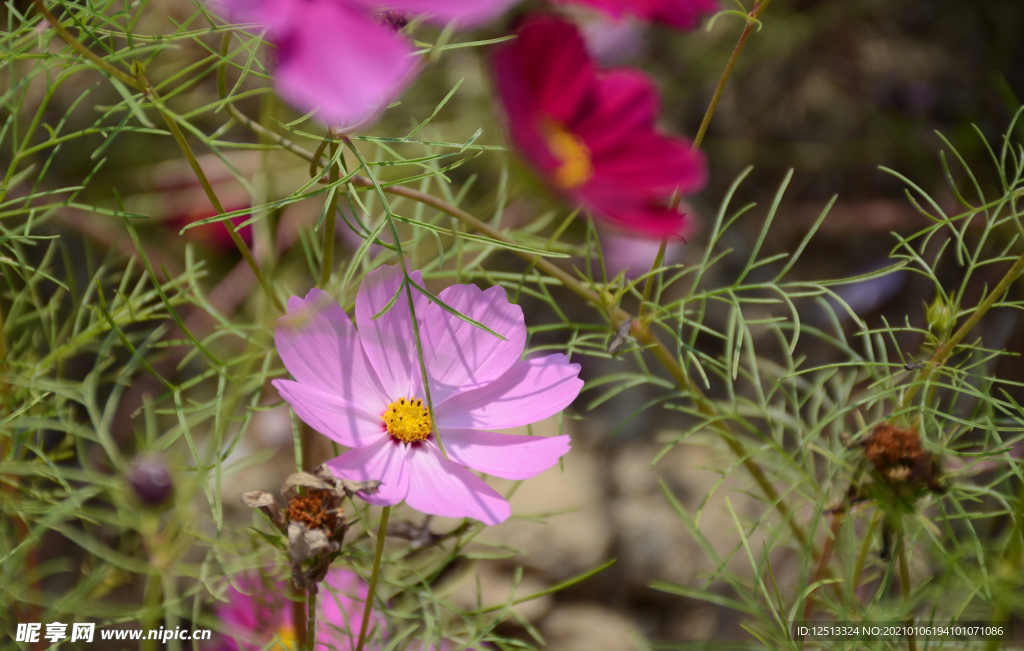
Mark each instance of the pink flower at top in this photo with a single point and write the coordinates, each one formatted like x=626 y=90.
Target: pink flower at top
x=681 y=14
x=364 y=390
x=591 y=133
x=255 y=617
x=343 y=57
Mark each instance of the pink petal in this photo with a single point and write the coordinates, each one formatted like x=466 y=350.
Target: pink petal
x=276 y=16
x=320 y=348
x=504 y=455
x=389 y=341
x=341 y=62
x=528 y=392
x=332 y=416
x=466 y=13
x=441 y=487
x=341 y=609
x=386 y=460
x=460 y=356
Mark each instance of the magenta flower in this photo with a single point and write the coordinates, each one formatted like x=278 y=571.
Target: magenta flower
x=342 y=57
x=255 y=619
x=681 y=14
x=364 y=390
x=591 y=133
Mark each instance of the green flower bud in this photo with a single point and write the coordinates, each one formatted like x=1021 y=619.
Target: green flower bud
x=939 y=314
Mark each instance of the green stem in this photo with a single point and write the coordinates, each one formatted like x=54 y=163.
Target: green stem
x=943 y=352
x=658 y=259
x=104 y=65
x=327 y=263
x=758 y=9
x=311 y=620
x=905 y=583
x=218 y=206
x=299 y=618
x=374 y=574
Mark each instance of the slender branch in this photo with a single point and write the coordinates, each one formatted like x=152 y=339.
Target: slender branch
x=327 y=263
x=299 y=618
x=382 y=530
x=943 y=352
x=658 y=259
x=77 y=46
x=142 y=84
x=905 y=583
x=311 y=620
x=752 y=17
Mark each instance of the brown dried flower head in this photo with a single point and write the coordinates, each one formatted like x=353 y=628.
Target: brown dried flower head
x=313 y=520
x=899 y=457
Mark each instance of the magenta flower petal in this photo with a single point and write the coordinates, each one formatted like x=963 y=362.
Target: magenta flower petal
x=341 y=62
x=529 y=391
x=332 y=416
x=466 y=13
x=441 y=487
x=508 y=456
x=389 y=342
x=386 y=460
x=320 y=347
x=591 y=134
x=627 y=104
x=681 y=14
x=460 y=356
x=650 y=219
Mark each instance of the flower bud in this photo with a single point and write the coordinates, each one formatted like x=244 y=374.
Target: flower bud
x=939 y=315
x=150 y=480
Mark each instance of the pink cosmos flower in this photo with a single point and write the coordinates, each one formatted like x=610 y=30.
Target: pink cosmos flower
x=681 y=14
x=364 y=390
x=256 y=618
x=591 y=133
x=340 y=56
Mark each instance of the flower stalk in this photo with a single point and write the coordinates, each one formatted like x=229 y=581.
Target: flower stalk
x=382 y=530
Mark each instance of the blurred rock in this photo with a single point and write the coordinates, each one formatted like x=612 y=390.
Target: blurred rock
x=496 y=587
x=587 y=626
x=576 y=535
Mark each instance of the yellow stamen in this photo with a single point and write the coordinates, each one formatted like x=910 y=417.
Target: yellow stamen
x=286 y=639
x=407 y=420
x=576 y=168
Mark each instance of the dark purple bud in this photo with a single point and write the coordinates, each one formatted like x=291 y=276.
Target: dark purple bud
x=396 y=20
x=150 y=480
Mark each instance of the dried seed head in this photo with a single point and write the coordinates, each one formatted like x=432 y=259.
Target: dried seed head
x=900 y=459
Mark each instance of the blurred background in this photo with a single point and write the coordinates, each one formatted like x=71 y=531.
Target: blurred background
x=834 y=89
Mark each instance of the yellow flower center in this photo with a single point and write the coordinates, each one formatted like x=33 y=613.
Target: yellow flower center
x=285 y=639
x=407 y=420
x=576 y=168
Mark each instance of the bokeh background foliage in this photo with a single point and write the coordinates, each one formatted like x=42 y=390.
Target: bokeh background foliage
x=799 y=313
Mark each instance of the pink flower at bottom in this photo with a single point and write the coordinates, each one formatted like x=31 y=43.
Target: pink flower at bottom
x=364 y=390
x=591 y=133
x=681 y=14
x=256 y=617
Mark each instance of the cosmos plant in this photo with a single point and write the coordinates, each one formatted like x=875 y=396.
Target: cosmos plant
x=420 y=322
